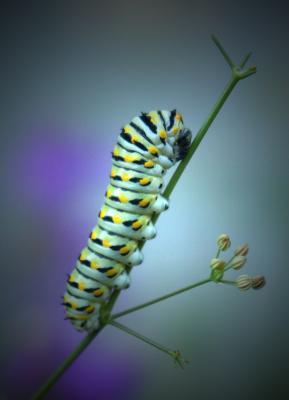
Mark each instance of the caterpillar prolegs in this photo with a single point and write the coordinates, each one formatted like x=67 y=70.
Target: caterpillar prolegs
x=146 y=147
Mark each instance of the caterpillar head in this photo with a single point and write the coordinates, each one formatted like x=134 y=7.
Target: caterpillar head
x=179 y=136
x=182 y=144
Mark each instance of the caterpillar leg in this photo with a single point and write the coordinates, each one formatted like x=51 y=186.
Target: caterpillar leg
x=161 y=204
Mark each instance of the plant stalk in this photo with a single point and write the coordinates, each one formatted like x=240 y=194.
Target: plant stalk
x=141 y=337
x=157 y=300
x=65 y=365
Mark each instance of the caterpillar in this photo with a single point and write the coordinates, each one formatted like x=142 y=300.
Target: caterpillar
x=146 y=148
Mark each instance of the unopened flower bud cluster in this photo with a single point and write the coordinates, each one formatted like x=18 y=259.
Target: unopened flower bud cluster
x=237 y=261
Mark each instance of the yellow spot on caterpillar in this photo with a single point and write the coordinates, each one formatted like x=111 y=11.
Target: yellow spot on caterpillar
x=93 y=235
x=109 y=193
x=125 y=177
x=178 y=116
x=116 y=151
x=128 y=158
x=127 y=129
x=144 y=181
x=74 y=305
x=124 y=250
x=175 y=131
x=113 y=173
x=71 y=278
x=143 y=202
x=97 y=292
x=117 y=219
x=149 y=164
x=102 y=214
x=163 y=134
x=106 y=243
x=153 y=118
x=134 y=139
x=89 y=309
x=82 y=256
x=93 y=264
x=81 y=285
x=111 y=272
x=137 y=224
x=123 y=198
x=153 y=150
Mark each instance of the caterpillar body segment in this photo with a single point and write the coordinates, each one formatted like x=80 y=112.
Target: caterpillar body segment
x=146 y=147
x=121 y=157
x=135 y=202
x=86 y=288
x=104 y=270
x=136 y=181
x=111 y=245
x=136 y=226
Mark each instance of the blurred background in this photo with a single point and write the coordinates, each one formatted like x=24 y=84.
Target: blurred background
x=72 y=74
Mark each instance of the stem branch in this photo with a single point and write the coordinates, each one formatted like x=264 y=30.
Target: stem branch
x=141 y=337
x=174 y=354
x=65 y=365
x=227 y=282
x=157 y=300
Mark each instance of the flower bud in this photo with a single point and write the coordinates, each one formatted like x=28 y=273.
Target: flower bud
x=238 y=262
x=223 y=242
x=258 y=281
x=242 y=250
x=217 y=263
x=244 y=282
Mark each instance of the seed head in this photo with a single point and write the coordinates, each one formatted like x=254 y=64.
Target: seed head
x=217 y=263
x=223 y=242
x=258 y=281
x=244 y=282
x=238 y=262
x=242 y=250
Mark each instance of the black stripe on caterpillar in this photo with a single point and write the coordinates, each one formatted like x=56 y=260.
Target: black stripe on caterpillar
x=146 y=147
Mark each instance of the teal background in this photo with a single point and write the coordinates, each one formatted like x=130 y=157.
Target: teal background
x=72 y=74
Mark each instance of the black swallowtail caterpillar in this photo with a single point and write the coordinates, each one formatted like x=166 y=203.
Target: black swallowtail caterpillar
x=146 y=147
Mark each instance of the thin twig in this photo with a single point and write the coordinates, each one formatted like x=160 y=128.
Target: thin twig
x=227 y=282
x=223 y=51
x=141 y=337
x=246 y=58
x=158 y=299
x=43 y=390
x=175 y=354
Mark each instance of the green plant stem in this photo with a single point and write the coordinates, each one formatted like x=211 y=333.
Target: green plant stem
x=158 y=299
x=199 y=137
x=228 y=263
x=233 y=283
x=65 y=365
x=246 y=58
x=141 y=337
x=174 y=354
x=237 y=74
x=223 y=51
x=218 y=253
